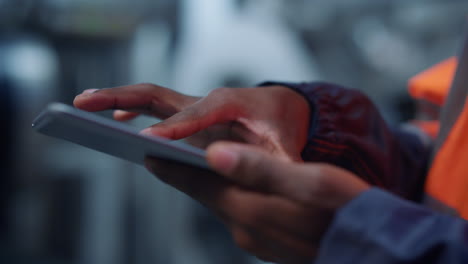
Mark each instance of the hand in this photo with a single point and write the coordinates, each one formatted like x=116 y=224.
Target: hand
x=275 y=209
x=275 y=118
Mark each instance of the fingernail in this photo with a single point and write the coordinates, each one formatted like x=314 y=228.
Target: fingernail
x=90 y=91
x=225 y=160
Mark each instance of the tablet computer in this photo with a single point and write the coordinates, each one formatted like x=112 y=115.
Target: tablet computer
x=112 y=137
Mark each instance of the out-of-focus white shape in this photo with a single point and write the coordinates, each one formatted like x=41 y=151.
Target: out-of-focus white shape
x=149 y=54
x=33 y=68
x=30 y=62
x=218 y=41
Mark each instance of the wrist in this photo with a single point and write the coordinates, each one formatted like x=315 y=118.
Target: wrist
x=294 y=99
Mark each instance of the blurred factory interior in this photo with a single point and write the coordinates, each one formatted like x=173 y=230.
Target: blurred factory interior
x=62 y=203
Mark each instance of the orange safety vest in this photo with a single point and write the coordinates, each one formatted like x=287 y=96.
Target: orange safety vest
x=432 y=86
x=447 y=181
x=448 y=177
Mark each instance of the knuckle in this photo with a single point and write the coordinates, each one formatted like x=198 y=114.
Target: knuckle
x=228 y=99
x=221 y=92
x=147 y=86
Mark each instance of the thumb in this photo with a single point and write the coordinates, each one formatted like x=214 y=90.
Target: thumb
x=314 y=183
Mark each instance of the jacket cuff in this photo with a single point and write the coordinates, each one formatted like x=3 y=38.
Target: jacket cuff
x=347 y=130
x=339 y=127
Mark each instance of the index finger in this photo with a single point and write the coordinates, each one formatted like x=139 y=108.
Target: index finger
x=142 y=98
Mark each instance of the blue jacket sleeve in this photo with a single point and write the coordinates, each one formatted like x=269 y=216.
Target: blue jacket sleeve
x=347 y=130
x=377 y=227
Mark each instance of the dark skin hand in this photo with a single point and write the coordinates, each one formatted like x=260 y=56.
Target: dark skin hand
x=275 y=209
x=275 y=206
x=275 y=118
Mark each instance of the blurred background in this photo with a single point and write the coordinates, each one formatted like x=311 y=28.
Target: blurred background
x=61 y=203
